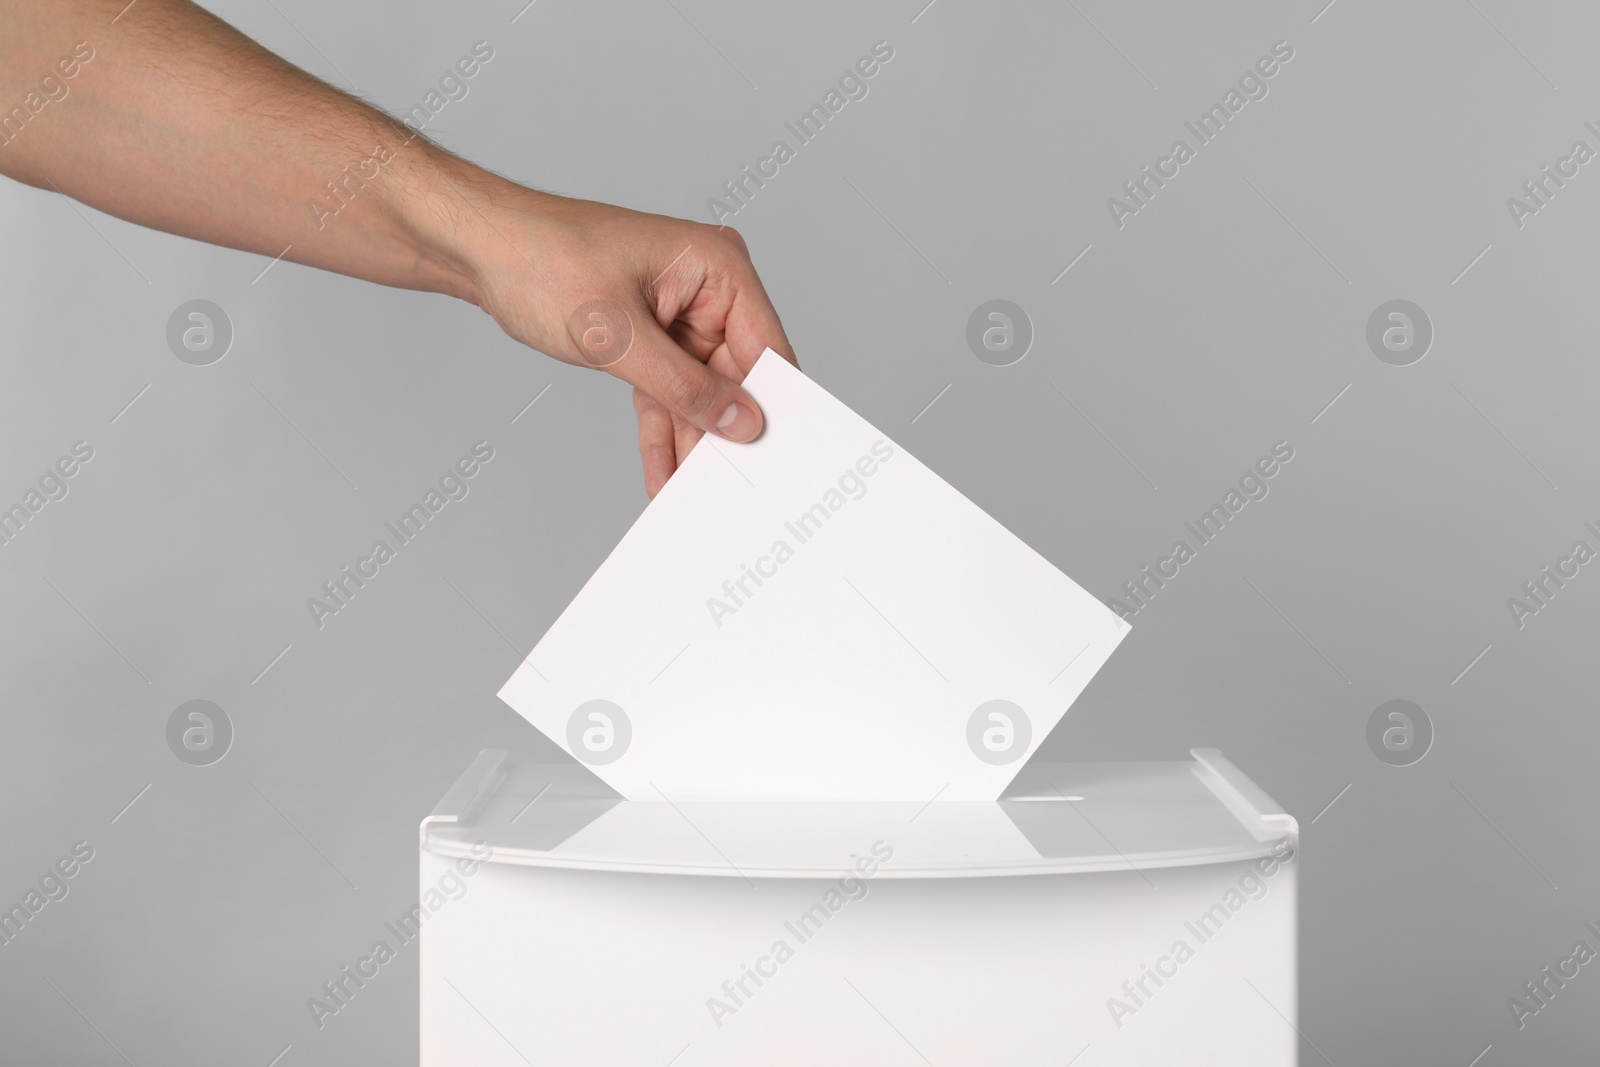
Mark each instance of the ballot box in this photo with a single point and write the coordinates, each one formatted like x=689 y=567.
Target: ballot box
x=1138 y=913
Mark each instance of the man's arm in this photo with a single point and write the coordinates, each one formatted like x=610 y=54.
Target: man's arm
x=172 y=119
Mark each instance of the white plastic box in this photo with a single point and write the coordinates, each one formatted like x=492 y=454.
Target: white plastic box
x=1100 y=914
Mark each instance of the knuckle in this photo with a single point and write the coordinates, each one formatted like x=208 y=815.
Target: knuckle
x=736 y=239
x=688 y=390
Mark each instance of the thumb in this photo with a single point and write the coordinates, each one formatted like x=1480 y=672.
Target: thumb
x=652 y=361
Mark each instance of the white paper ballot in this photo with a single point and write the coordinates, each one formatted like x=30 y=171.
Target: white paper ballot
x=813 y=616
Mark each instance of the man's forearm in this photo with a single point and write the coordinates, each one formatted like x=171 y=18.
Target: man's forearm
x=175 y=119
x=162 y=114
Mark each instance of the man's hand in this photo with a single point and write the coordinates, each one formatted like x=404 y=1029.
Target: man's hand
x=163 y=126
x=674 y=308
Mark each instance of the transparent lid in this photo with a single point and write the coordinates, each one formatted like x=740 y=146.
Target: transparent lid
x=1055 y=818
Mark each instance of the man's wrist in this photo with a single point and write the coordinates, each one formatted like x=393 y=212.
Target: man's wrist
x=452 y=212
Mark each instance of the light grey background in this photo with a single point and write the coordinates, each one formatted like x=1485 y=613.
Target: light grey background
x=1222 y=318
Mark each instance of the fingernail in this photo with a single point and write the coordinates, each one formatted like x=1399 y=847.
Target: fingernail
x=739 y=422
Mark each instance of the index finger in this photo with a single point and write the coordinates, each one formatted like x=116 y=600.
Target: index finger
x=753 y=325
